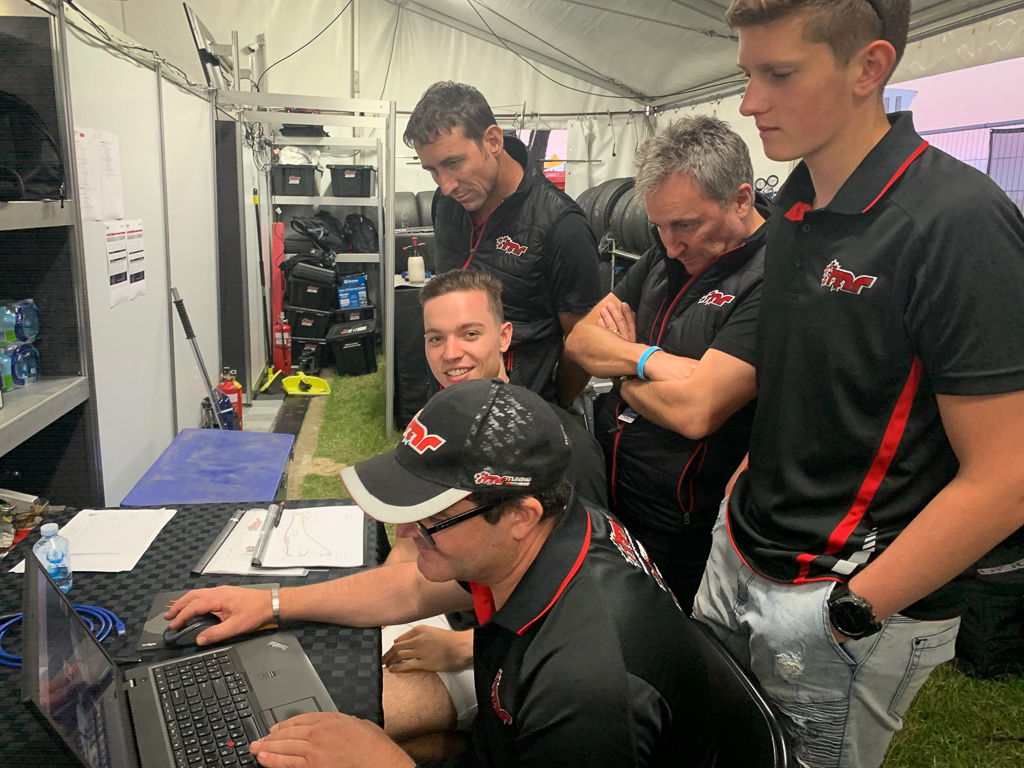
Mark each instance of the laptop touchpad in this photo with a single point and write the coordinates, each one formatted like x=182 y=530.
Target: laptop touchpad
x=284 y=711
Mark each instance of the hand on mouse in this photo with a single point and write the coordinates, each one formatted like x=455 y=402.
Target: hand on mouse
x=328 y=740
x=241 y=610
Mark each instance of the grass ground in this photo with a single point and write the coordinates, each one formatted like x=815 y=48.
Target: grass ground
x=955 y=721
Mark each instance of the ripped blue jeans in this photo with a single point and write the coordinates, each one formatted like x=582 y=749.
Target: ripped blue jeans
x=841 y=704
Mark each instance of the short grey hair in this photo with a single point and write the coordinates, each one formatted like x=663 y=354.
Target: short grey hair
x=705 y=148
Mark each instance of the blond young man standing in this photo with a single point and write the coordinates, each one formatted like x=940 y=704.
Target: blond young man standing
x=885 y=455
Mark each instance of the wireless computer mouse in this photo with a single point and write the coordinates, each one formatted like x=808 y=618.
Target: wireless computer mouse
x=186 y=634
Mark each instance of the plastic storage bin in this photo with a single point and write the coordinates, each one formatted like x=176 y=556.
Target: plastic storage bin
x=309 y=323
x=352 y=314
x=354 y=348
x=299 y=180
x=312 y=287
x=351 y=180
x=308 y=354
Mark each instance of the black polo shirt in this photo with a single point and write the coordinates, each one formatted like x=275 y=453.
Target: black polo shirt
x=667 y=487
x=538 y=243
x=908 y=284
x=582 y=665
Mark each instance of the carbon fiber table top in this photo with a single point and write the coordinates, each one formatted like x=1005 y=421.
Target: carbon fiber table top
x=347 y=659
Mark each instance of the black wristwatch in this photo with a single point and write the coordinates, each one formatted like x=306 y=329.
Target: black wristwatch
x=850 y=614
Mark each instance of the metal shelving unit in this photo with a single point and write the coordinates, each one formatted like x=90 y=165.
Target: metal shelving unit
x=48 y=431
x=275 y=110
x=28 y=214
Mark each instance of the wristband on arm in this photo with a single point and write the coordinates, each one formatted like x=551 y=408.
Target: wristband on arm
x=643 y=361
x=275 y=604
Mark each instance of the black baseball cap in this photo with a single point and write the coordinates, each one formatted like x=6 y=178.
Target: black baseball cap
x=483 y=437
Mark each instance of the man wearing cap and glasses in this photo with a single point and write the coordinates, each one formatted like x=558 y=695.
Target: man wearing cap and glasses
x=576 y=655
x=429 y=694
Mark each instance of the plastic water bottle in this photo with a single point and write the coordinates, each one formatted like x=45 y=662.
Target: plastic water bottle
x=54 y=552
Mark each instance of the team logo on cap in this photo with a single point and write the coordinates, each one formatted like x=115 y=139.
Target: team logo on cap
x=835 y=278
x=486 y=478
x=508 y=245
x=717 y=298
x=419 y=439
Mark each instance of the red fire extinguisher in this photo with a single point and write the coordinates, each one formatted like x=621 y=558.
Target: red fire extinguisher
x=233 y=391
x=283 y=345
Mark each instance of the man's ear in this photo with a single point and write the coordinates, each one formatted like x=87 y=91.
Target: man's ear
x=875 y=63
x=504 y=336
x=524 y=517
x=493 y=140
x=743 y=199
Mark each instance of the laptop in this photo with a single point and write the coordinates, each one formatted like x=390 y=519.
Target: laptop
x=202 y=709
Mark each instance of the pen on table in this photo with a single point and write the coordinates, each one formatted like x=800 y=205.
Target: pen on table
x=269 y=524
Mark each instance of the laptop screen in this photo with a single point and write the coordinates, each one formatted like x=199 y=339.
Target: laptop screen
x=69 y=678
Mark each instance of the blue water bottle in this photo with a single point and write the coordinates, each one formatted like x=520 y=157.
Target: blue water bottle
x=54 y=552
x=26 y=320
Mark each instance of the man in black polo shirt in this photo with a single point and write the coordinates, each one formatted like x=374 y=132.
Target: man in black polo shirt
x=886 y=455
x=681 y=328
x=428 y=683
x=493 y=212
x=577 y=654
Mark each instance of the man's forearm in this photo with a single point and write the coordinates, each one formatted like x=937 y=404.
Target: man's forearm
x=961 y=523
x=601 y=352
x=388 y=595
x=668 y=404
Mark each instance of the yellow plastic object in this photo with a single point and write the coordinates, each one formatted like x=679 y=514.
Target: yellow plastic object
x=301 y=384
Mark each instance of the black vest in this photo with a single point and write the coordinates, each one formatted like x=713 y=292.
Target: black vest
x=514 y=249
x=659 y=478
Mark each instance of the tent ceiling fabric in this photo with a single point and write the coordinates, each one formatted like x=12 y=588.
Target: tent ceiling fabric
x=656 y=51
x=553 y=57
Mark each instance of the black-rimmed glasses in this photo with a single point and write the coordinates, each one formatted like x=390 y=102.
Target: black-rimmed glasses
x=428 y=533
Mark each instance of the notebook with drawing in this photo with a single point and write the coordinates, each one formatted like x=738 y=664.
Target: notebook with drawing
x=197 y=710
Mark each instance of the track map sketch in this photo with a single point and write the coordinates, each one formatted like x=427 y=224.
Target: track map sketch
x=328 y=537
x=235 y=554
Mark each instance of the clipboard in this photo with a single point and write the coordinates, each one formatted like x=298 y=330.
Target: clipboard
x=229 y=526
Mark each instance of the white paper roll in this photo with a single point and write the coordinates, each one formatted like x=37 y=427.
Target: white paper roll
x=417 y=273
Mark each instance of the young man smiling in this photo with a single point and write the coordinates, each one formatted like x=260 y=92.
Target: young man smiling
x=494 y=212
x=885 y=456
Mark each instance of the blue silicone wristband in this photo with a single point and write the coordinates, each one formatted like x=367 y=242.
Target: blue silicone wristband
x=643 y=361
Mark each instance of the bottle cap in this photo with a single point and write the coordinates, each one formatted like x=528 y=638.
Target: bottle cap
x=49 y=529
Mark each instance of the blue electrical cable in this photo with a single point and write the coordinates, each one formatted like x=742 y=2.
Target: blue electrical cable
x=100 y=621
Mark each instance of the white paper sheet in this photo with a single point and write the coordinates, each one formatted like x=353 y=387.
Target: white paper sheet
x=326 y=537
x=117 y=261
x=110 y=540
x=235 y=554
x=136 y=258
x=90 y=191
x=109 y=155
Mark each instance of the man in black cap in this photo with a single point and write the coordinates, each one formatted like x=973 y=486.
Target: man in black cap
x=577 y=652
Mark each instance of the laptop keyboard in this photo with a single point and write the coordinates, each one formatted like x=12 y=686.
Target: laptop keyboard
x=207 y=711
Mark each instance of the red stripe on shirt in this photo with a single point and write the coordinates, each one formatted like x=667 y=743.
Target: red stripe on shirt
x=876 y=473
x=899 y=172
x=565 y=582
